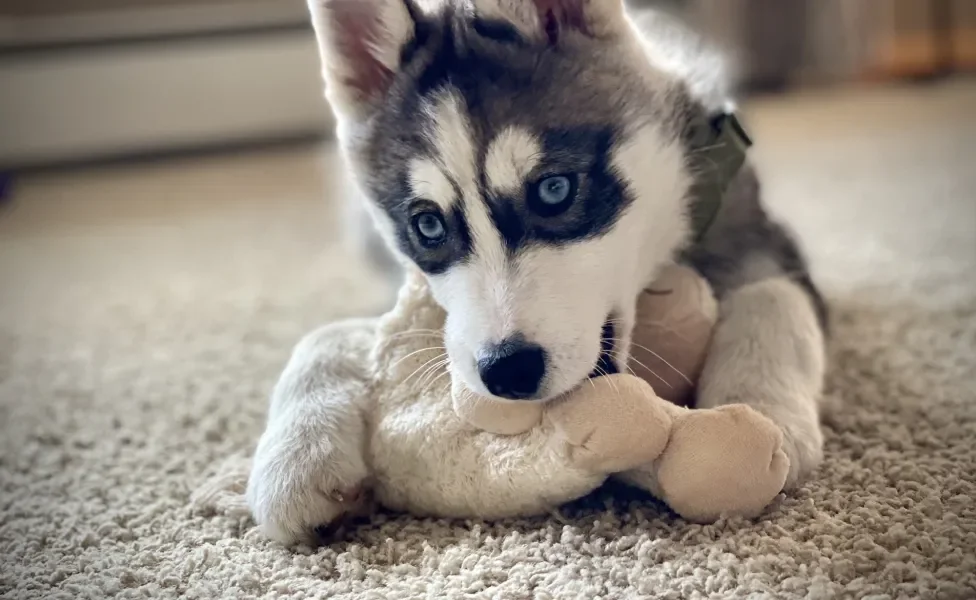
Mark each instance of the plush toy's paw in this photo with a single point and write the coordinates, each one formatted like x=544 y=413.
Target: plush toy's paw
x=299 y=485
x=613 y=425
x=727 y=461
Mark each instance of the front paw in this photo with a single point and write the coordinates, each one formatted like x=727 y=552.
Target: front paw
x=727 y=461
x=300 y=482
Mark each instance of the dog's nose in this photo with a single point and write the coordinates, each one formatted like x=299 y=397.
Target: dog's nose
x=513 y=369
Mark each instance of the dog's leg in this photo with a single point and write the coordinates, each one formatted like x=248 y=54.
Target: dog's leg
x=309 y=464
x=768 y=352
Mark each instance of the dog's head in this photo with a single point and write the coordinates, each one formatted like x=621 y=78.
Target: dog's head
x=529 y=157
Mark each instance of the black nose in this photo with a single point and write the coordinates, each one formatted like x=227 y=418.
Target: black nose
x=513 y=369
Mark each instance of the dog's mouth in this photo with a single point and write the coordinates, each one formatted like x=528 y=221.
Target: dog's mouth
x=605 y=365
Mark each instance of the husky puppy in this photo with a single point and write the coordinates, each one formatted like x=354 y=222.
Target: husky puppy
x=540 y=161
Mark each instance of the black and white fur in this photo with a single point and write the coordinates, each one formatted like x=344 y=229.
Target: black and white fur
x=459 y=108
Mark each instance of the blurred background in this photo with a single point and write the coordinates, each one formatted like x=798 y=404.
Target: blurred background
x=82 y=80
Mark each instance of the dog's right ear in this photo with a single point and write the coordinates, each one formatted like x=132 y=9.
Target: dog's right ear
x=360 y=43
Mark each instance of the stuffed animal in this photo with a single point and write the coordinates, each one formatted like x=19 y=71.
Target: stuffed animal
x=434 y=448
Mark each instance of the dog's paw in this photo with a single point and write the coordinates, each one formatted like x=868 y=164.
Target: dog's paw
x=300 y=484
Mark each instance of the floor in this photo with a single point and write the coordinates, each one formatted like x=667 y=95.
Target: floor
x=145 y=311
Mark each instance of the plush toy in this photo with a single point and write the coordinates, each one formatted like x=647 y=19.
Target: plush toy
x=434 y=448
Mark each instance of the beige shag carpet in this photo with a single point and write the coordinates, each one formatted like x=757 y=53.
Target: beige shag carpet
x=146 y=310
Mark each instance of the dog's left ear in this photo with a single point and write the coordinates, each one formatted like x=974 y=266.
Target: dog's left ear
x=360 y=43
x=551 y=20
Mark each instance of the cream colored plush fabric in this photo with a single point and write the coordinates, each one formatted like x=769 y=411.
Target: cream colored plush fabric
x=146 y=311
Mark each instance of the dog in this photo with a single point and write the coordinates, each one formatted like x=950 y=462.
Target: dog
x=540 y=162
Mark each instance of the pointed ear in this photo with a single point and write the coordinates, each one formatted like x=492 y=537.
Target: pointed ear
x=549 y=20
x=360 y=42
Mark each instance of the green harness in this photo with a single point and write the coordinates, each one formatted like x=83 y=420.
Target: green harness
x=718 y=153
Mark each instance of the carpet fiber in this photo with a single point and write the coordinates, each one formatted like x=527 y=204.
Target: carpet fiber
x=146 y=310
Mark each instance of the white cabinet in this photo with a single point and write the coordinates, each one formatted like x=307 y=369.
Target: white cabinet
x=84 y=79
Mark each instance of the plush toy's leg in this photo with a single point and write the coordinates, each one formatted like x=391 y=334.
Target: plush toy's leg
x=309 y=464
x=725 y=461
x=768 y=352
x=598 y=422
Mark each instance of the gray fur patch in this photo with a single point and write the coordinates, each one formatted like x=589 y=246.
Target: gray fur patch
x=579 y=97
x=744 y=245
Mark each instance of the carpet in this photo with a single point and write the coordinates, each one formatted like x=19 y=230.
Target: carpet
x=146 y=309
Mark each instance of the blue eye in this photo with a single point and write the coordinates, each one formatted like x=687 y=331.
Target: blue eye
x=430 y=228
x=553 y=195
x=555 y=190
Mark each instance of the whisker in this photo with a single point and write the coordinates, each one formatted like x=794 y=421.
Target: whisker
x=629 y=370
x=660 y=324
x=613 y=384
x=616 y=355
x=431 y=370
x=431 y=384
x=439 y=356
x=661 y=358
x=415 y=352
x=663 y=325
x=603 y=372
x=649 y=370
x=414 y=333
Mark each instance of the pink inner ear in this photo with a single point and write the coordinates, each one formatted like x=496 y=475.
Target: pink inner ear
x=356 y=31
x=555 y=15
